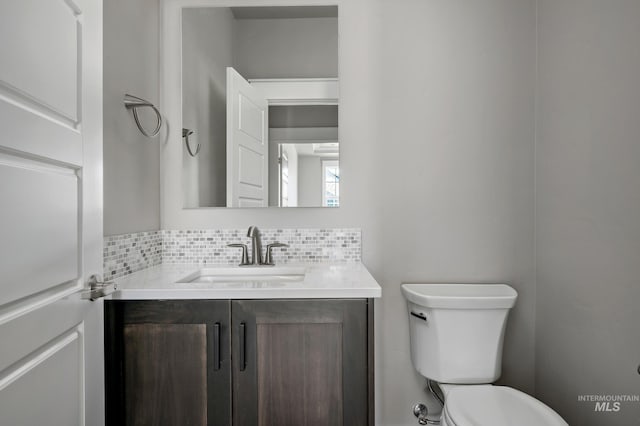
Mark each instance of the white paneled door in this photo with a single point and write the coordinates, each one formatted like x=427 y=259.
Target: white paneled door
x=51 y=339
x=247 y=144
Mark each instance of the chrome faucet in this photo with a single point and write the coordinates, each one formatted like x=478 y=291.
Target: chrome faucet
x=256 y=245
x=256 y=249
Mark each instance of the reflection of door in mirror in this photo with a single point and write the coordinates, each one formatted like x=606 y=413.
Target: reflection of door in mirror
x=247 y=144
x=283 y=77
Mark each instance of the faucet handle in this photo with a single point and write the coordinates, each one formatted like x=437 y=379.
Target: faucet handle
x=245 y=256
x=268 y=260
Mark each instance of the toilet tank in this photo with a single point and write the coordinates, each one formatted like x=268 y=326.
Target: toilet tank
x=457 y=330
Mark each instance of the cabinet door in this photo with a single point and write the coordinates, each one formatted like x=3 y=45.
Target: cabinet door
x=168 y=363
x=300 y=362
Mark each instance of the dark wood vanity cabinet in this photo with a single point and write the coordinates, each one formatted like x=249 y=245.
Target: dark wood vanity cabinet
x=241 y=362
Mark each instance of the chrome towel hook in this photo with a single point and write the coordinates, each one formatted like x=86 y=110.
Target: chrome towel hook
x=133 y=103
x=185 y=134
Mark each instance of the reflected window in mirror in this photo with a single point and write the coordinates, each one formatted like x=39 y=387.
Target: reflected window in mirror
x=284 y=179
x=330 y=183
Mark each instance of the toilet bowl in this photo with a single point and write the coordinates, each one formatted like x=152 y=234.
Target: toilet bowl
x=496 y=406
x=456 y=337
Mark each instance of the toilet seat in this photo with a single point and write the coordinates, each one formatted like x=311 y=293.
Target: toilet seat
x=496 y=406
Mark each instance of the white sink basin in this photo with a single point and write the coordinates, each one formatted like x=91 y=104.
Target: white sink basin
x=262 y=274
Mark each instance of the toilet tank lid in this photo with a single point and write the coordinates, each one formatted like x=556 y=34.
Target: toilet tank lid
x=497 y=406
x=461 y=296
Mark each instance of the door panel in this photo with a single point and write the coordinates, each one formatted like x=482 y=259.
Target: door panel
x=30 y=332
x=247 y=144
x=305 y=362
x=63 y=140
x=39 y=51
x=251 y=168
x=51 y=367
x=36 y=195
x=251 y=118
x=53 y=370
x=249 y=202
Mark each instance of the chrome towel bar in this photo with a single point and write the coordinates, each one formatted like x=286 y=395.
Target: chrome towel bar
x=133 y=103
x=185 y=134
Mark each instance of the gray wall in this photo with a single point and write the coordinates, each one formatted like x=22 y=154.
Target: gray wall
x=588 y=207
x=303 y=116
x=280 y=48
x=309 y=181
x=454 y=133
x=206 y=53
x=131 y=161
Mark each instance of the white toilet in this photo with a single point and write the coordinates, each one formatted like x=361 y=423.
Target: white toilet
x=457 y=332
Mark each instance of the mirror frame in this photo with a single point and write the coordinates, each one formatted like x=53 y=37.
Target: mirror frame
x=172 y=204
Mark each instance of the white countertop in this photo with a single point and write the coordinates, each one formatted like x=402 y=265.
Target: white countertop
x=321 y=281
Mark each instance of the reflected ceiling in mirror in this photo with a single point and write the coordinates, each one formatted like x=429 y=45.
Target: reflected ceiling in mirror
x=260 y=100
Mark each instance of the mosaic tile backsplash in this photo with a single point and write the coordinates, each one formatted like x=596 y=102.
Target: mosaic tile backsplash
x=128 y=253
x=209 y=246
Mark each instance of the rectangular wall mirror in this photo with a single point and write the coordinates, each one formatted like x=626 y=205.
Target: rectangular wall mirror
x=260 y=107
